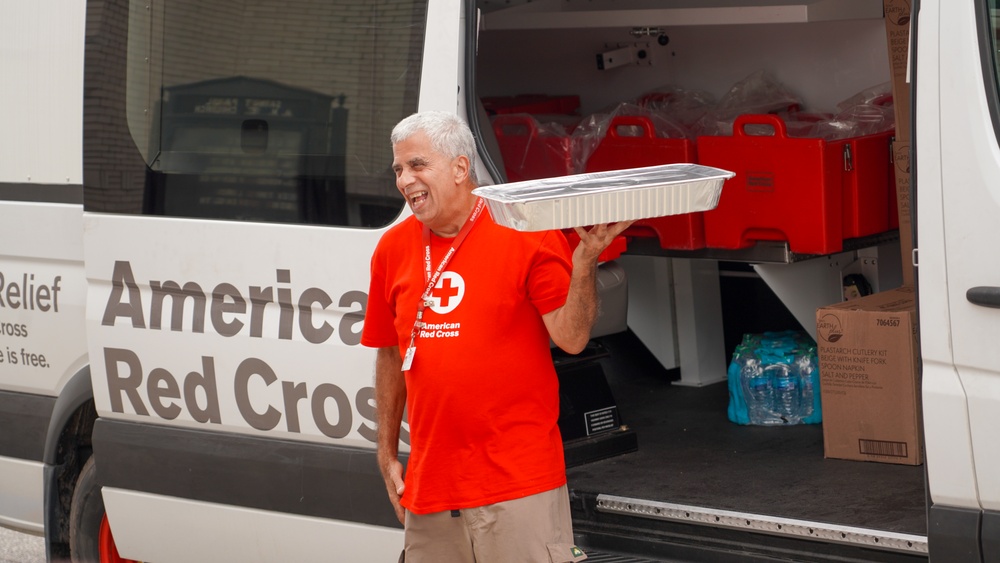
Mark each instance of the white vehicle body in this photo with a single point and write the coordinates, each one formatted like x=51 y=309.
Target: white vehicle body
x=957 y=167
x=43 y=293
x=180 y=313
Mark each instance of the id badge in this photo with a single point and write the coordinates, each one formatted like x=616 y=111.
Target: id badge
x=408 y=358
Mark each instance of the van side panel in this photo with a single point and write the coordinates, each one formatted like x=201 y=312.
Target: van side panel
x=42 y=288
x=42 y=43
x=21 y=494
x=213 y=532
x=29 y=414
x=236 y=187
x=42 y=295
x=293 y=477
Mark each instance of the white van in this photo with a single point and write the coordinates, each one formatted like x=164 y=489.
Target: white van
x=191 y=190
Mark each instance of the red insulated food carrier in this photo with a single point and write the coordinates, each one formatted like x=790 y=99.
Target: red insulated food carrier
x=811 y=193
x=867 y=183
x=530 y=153
x=631 y=142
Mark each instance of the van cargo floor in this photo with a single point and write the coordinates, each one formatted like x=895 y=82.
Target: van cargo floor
x=690 y=454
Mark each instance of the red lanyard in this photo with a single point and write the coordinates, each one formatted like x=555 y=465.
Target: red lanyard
x=432 y=279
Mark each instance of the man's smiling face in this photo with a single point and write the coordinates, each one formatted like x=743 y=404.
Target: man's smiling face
x=434 y=185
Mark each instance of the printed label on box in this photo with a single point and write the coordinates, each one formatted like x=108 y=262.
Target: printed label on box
x=760 y=181
x=897 y=17
x=882 y=448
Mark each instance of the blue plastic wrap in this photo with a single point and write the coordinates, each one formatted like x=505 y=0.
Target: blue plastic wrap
x=774 y=380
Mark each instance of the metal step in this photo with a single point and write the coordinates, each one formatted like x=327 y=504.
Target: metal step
x=872 y=539
x=596 y=557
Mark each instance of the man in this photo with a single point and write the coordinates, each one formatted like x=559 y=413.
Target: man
x=461 y=311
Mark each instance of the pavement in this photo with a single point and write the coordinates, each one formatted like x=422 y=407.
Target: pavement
x=16 y=547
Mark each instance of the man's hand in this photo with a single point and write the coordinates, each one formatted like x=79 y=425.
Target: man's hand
x=390 y=399
x=392 y=472
x=595 y=240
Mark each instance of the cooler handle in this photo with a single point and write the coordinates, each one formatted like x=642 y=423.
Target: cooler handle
x=631 y=121
x=506 y=122
x=773 y=121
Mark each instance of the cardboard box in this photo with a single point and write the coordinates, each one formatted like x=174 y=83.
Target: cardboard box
x=868 y=384
x=901 y=170
x=897 y=34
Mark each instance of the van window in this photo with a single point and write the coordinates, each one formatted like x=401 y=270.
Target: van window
x=257 y=110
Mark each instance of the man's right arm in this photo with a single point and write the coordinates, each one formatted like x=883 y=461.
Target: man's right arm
x=390 y=399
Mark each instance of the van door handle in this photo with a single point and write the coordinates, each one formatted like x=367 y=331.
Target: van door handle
x=987 y=296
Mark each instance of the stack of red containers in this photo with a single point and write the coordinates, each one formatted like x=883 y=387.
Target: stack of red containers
x=808 y=192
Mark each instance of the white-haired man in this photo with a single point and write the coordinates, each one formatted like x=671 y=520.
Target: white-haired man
x=462 y=312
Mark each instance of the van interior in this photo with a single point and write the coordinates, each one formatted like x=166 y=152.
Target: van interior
x=670 y=464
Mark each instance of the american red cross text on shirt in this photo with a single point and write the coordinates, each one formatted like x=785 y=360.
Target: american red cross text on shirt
x=445 y=292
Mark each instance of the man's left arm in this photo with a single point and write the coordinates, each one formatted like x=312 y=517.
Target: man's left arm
x=569 y=326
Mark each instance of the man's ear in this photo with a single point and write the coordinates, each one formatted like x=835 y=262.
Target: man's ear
x=460 y=167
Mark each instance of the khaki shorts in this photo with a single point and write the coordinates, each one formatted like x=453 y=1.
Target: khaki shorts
x=534 y=529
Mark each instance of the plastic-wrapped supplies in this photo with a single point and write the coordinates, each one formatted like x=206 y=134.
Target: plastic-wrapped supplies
x=604 y=197
x=593 y=129
x=774 y=380
x=758 y=93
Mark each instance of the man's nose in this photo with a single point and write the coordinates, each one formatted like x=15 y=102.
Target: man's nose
x=403 y=179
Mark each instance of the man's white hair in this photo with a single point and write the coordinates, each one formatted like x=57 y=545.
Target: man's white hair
x=448 y=134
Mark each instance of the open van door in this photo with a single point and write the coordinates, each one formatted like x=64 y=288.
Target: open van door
x=957 y=168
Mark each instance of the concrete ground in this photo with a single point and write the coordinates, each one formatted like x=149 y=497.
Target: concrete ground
x=21 y=548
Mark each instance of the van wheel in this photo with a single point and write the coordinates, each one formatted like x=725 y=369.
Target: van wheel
x=90 y=539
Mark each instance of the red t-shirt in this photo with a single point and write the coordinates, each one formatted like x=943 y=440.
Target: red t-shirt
x=482 y=393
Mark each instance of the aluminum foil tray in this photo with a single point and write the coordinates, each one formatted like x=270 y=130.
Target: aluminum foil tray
x=604 y=197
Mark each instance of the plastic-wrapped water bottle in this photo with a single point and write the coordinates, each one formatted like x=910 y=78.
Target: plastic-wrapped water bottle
x=758 y=388
x=787 y=392
x=805 y=364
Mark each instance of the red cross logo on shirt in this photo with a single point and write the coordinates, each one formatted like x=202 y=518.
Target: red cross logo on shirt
x=448 y=293
x=445 y=292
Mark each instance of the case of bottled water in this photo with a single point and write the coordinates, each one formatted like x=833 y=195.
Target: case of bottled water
x=774 y=380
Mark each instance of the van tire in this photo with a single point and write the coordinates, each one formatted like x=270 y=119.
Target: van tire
x=85 y=516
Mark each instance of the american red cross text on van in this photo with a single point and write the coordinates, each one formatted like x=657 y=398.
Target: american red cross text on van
x=198 y=393
x=228 y=308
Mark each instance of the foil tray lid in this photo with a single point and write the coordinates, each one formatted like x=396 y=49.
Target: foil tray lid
x=604 y=197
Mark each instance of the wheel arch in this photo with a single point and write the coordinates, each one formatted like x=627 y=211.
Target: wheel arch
x=67 y=447
x=74 y=394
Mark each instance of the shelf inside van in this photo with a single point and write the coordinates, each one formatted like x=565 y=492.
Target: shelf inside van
x=552 y=14
x=763 y=252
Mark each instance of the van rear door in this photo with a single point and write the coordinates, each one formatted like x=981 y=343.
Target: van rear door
x=958 y=213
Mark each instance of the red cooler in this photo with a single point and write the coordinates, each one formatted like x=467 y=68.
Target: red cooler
x=810 y=193
x=631 y=142
x=530 y=153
